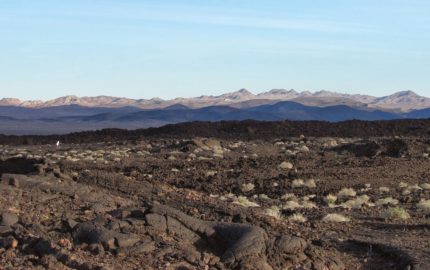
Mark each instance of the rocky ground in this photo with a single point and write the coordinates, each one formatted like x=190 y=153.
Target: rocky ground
x=205 y=203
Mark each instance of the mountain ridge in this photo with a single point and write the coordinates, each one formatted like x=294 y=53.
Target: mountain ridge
x=402 y=101
x=72 y=118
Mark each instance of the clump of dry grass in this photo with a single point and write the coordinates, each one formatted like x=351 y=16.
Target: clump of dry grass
x=410 y=189
x=387 y=201
x=356 y=203
x=406 y=191
x=248 y=187
x=303 y=149
x=384 y=189
x=347 y=192
x=403 y=185
x=243 y=201
x=308 y=204
x=273 y=211
x=298 y=183
x=299 y=218
x=424 y=205
x=291 y=205
x=330 y=199
x=425 y=186
x=310 y=183
x=286 y=165
x=335 y=218
x=396 y=213
x=415 y=187
x=263 y=197
x=210 y=173
x=288 y=196
x=308 y=197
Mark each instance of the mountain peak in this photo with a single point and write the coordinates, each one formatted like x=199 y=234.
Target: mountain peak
x=404 y=100
x=406 y=93
x=10 y=101
x=281 y=94
x=244 y=91
x=325 y=93
x=68 y=98
x=240 y=95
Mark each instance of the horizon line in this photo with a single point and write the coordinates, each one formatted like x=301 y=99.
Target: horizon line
x=212 y=95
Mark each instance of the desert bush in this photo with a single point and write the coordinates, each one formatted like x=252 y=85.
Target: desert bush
x=410 y=189
x=330 y=199
x=310 y=183
x=308 y=204
x=406 y=191
x=286 y=165
x=330 y=143
x=396 y=213
x=263 y=197
x=308 y=197
x=424 y=205
x=425 y=186
x=222 y=198
x=384 y=189
x=291 y=205
x=230 y=195
x=210 y=173
x=273 y=211
x=387 y=201
x=298 y=183
x=347 y=192
x=247 y=187
x=299 y=218
x=414 y=188
x=356 y=203
x=288 y=196
x=243 y=201
x=335 y=218
x=303 y=149
x=403 y=185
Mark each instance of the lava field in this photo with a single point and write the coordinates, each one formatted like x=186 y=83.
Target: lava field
x=295 y=198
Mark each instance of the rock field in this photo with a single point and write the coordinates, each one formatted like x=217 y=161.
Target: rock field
x=208 y=203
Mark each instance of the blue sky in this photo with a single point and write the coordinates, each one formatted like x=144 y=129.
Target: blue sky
x=170 y=48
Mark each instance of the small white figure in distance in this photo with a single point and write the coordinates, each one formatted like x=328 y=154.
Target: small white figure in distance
x=58 y=144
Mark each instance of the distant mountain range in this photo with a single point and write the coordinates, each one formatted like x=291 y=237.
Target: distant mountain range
x=401 y=101
x=71 y=113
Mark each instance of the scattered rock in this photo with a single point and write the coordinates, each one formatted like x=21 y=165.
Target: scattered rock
x=14 y=182
x=290 y=244
x=43 y=247
x=8 y=242
x=8 y=219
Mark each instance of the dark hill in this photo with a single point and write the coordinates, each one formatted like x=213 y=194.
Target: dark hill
x=244 y=130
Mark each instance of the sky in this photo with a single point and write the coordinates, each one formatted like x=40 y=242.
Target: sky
x=186 y=48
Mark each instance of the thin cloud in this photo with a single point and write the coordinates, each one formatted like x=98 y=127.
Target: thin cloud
x=264 y=23
x=200 y=15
